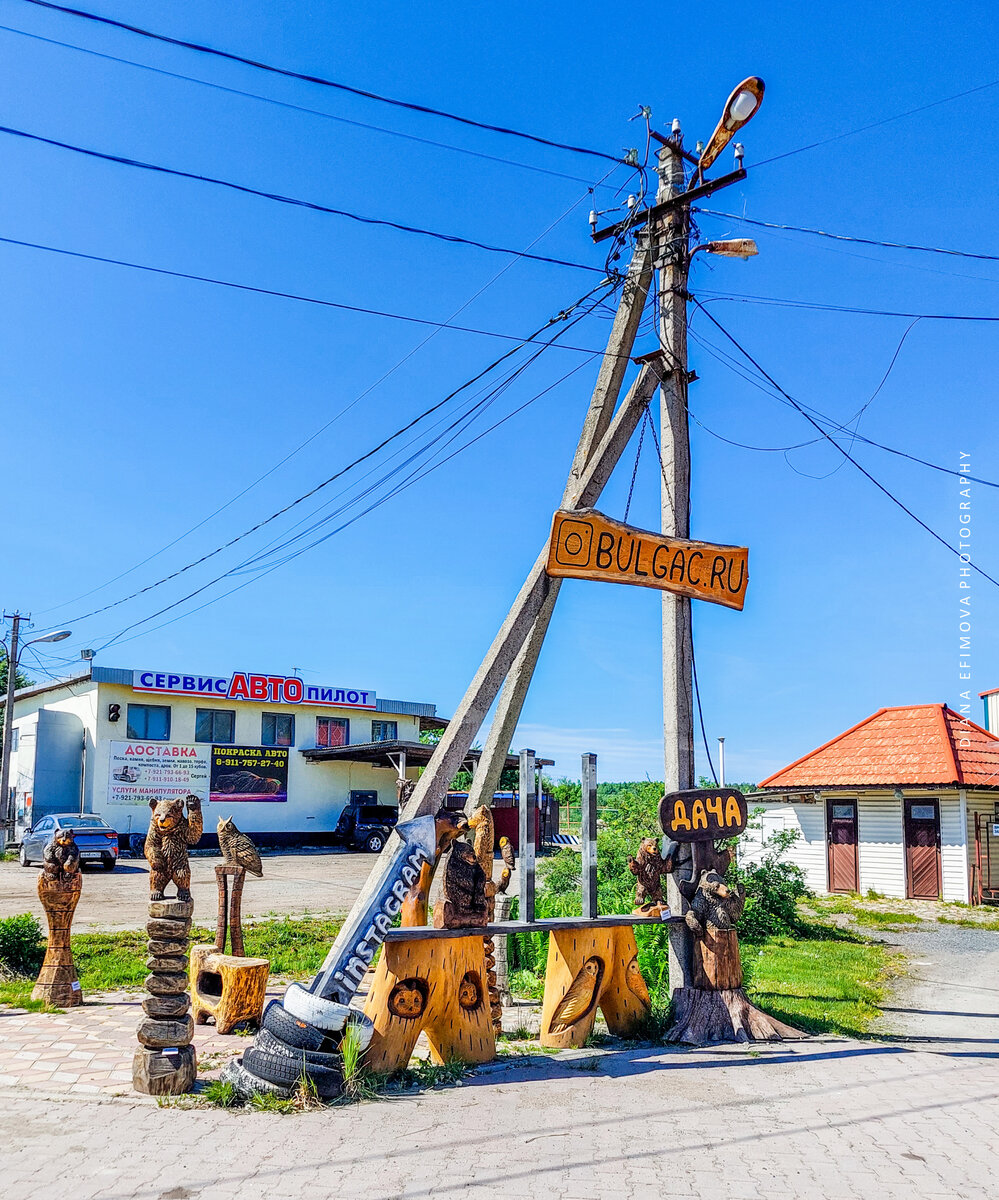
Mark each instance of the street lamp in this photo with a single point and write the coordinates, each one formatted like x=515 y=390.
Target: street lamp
x=13 y=658
x=741 y=106
x=732 y=248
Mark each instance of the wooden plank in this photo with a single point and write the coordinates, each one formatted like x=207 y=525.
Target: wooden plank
x=703 y=814
x=549 y=925
x=585 y=544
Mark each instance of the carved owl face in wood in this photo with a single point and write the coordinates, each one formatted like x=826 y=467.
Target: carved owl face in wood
x=470 y=991
x=408 y=998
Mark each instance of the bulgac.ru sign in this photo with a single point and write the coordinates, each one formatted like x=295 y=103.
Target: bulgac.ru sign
x=587 y=545
x=703 y=814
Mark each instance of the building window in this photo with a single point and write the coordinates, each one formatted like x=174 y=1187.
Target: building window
x=215 y=725
x=148 y=722
x=384 y=731
x=277 y=729
x=332 y=731
x=15 y=739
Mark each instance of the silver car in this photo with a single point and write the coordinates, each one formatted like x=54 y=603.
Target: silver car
x=95 y=839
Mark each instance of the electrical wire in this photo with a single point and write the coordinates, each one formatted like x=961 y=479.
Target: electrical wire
x=336 y=417
x=261 y=291
x=338 y=474
x=843 y=237
x=278 y=198
x=426 y=110
x=815 y=424
x=314 y=112
x=818 y=306
x=700 y=713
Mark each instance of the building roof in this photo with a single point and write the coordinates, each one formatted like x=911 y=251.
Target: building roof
x=916 y=744
x=381 y=754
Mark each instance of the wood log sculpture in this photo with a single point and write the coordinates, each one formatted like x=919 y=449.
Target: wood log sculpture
x=229 y=988
x=649 y=870
x=714 y=1006
x=166 y=1063
x=59 y=887
x=483 y=843
x=438 y=987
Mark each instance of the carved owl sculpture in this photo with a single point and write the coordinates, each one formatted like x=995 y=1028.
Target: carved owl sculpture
x=636 y=983
x=506 y=853
x=581 y=996
x=237 y=849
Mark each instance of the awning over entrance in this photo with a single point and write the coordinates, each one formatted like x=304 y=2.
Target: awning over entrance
x=397 y=754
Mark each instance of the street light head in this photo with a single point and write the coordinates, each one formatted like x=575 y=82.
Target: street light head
x=740 y=107
x=59 y=635
x=733 y=248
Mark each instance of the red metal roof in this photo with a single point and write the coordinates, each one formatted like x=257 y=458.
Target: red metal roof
x=914 y=744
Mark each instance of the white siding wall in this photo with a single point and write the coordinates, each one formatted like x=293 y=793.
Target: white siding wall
x=809 y=851
x=882 y=855
x=984 y=803
x=954 y=849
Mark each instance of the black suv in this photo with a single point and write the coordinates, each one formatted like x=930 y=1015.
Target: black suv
x=366 y=826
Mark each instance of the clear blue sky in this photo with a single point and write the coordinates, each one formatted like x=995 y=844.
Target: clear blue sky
x=136 y=405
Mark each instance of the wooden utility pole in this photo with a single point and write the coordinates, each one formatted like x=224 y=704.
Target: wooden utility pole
x=8 y=725
x=671 y=248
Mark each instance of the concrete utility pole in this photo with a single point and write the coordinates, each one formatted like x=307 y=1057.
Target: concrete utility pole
x=8 y=724
x=671 y=248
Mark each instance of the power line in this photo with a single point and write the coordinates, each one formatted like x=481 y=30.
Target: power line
x=843 y=237
x=336 y=417
x=817 y=306
x=315 y=112
x=121 y=160
x=811 y=420
x=261 y=291
x=909 y=112
x=321 y=80
x=326 y=482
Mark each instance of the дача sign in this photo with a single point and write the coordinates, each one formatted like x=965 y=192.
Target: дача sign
x=703 y=814
x=587 y=545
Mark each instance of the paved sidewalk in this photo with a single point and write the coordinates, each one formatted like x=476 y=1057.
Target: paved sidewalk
x=820 y=1120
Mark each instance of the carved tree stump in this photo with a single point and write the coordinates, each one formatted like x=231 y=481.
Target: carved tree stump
x=701 y=1016
x=436 y=986
x=166 y=1063
x=590 y=969
x=58 y=983
x=226 y=987
x=230 y=914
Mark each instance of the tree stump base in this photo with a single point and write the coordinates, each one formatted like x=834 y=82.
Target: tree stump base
x=58 y=983
x=587 y=970
x=701 y=1017
x=166 y=1063
x=229 y=988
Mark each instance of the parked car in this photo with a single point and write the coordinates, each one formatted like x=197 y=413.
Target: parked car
x=366 y=826
x=95 y=839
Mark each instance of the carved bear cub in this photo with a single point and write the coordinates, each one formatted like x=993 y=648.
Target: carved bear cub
x=170 y=835
x=61 y=857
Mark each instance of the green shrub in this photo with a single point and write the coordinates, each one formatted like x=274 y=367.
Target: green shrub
x=21 y=946
x=773 y=888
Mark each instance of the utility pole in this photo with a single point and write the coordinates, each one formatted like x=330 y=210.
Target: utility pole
x=8 y=724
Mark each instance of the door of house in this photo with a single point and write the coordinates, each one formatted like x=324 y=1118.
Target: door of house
x=922 y=849
x=841 y=835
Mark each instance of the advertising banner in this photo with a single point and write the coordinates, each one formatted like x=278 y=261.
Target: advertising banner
x=245 y=685
x=241 y=773
x=142 y=771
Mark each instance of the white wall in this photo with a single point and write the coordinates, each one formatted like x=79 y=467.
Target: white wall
x=882 y=858
x=79 y=699
x=984 y=803
x=954 y=849
x=809 y=851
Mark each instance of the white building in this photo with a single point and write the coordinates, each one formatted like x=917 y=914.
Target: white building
x=281 y=756
x=906 y=803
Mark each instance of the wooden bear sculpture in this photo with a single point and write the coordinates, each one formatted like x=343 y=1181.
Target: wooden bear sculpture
x=649 y=870
x=171 y=833
x=61 y=857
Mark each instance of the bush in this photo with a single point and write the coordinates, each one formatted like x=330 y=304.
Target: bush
x=21 y=946
x=773 y=889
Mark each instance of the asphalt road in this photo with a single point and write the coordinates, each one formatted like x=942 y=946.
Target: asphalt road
x=318 y=881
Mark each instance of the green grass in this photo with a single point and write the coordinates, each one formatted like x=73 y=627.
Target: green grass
x=827 y=982
x=111 y=961
x=970 y=923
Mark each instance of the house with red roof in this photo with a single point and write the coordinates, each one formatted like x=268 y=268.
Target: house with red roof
x=905 y=803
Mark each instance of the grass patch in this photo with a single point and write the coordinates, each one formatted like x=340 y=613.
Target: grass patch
x=826 y=982
x=971 y=923
x=222 y=1094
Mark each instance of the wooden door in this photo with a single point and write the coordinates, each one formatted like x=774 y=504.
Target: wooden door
x=922 y=849
x=841 y=836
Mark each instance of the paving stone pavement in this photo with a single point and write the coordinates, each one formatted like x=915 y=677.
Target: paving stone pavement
x=827 y=1119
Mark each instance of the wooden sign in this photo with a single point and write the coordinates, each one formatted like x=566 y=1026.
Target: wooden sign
x=703 y=814
x=587 y=545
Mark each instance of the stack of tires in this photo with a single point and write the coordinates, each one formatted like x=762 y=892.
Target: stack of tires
x=299 y=1040
x=166 y=1064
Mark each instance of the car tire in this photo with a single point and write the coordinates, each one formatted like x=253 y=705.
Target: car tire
x=109 y=864
x=23 y=859
x=373 y=843
x=293 y=1032
x=248 y=1085
x=270 y=1044
x=324 y=1014
x=286 y=1070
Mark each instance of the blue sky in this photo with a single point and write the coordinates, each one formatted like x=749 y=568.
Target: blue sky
x=137 y=405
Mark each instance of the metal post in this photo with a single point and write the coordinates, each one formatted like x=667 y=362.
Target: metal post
x=8 y=725
x=588 y=834
x=527 y=823
x=721 y=762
